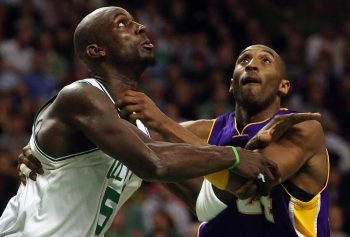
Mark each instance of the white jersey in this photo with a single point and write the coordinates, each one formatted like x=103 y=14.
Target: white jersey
x=78 y=195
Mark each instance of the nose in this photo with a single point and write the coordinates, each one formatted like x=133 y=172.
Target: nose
x=252 y=66
x=141 y=28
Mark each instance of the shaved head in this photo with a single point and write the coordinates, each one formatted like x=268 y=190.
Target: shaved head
x=93 y=28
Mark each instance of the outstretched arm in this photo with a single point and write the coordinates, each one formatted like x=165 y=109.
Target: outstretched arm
x=88 y=110
x=136 y=105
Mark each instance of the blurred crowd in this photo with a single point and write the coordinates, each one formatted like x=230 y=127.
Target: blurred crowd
x=196 y=44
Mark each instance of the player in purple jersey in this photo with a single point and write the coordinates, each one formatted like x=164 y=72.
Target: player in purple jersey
x=297 y=205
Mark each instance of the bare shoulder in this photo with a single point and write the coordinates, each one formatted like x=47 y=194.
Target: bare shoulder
x=200 y=128
x=80 y=97
x=313 y=175
x=311 y=134
x=81 y=103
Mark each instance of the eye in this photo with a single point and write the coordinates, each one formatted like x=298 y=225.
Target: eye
x=244 y=61
x=266 y=60
x=121 y=24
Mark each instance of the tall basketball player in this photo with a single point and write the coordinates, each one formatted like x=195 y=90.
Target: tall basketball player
x=94 y=160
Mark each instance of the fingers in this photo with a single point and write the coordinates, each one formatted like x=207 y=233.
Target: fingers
x=131 y=97
x=127 y=100
x=29 y=161
x=21 y=176
x=127 y=110
x=248 y=189
x=33 y=175
x=29 y=164
x=135 y=116
x=260 y=141
x=37 y=167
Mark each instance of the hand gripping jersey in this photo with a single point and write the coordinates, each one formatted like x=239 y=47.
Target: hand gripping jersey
x=278 y=215
x=78 y=195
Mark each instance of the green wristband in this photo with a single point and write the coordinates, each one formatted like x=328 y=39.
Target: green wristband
x=237 y=161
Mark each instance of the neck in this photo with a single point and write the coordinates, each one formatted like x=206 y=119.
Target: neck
x=118 y=81
x=245 y=116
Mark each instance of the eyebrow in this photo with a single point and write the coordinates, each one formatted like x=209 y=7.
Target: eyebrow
x=264 y=50
x=118 y=15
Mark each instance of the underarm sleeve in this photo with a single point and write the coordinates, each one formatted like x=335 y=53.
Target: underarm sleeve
x=208 y=205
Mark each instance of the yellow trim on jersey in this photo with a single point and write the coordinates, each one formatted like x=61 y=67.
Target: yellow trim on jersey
x=249 y=124
x=218 y=179
x=211 y=130
x=305 y=214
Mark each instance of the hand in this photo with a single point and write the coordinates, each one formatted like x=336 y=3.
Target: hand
x=252 y=166
x=135 y=105
x=277 y=127
x=26 y=158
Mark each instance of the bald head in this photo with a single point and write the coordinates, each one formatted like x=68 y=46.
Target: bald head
x=94 y=29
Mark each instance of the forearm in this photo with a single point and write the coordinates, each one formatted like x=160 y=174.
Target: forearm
x=174 y=132
x=183 y=161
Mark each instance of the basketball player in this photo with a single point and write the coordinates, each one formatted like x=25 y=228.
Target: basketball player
x=93 y=160
x=295 y=207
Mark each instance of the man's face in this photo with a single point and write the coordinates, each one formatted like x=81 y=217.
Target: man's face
x=128 y=42
x=257 y=77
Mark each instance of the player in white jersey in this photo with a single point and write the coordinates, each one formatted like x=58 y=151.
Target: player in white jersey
x=92 y=158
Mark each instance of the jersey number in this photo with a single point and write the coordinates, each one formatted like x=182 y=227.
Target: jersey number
x=110 y=199
x=253 y=206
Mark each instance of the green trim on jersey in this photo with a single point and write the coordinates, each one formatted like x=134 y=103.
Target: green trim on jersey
x=41 y=151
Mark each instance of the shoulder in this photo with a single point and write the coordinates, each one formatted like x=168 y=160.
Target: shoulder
x=81 y=98
x=311 y=128
x=201 y=128
x=308 y=134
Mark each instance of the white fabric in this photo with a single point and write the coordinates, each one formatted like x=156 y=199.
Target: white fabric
x=75 y=196
x=208 y=205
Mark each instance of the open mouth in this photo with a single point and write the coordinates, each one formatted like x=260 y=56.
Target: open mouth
x=147 y=45
x=250 y=80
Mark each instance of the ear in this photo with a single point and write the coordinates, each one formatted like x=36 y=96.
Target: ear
x=284 y=87
x=94 y=51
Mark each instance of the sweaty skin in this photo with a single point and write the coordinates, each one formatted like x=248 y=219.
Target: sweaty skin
x=136 y=105
x=117 y=51
x=258 y=83
x=82 y=117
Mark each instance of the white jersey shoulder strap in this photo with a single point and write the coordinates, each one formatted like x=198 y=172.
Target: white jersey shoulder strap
x=100 y=86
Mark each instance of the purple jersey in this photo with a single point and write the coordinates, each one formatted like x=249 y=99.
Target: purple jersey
x=279 y=214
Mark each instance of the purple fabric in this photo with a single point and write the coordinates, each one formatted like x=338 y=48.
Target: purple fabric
x=232 y=223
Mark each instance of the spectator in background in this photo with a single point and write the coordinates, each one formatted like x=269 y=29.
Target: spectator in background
x=167 y=210
x=336 y=218
x=41 y=85
x=16 y=55
x=8 y=177
x=163 y=225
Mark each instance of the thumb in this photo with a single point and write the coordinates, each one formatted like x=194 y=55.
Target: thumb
x=265 y=137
